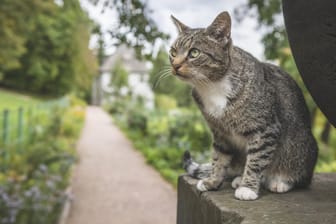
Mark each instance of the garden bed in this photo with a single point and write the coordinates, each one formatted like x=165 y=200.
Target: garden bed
x=35 y=173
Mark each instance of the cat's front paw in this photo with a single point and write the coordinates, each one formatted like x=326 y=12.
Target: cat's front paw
x=201 y=186
x=236 y=182
x=279 y=186
x=245 y=194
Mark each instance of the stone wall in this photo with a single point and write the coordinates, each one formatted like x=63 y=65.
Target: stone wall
x=304 y=206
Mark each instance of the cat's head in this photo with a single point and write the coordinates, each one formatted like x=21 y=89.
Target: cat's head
x=201 y=55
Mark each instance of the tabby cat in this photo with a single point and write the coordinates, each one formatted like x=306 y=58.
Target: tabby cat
x=256 y=112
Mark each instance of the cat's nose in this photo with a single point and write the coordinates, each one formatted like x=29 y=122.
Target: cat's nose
x=177 y=66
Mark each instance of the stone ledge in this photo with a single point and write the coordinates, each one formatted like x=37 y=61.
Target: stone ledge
x=305 y=206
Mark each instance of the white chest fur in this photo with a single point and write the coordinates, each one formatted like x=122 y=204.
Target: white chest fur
x=215 y=97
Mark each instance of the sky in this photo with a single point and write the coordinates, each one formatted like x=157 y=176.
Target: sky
x=193 y=13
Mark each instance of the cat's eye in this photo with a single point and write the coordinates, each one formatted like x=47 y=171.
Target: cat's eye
x=173 y=52
x=194 y=53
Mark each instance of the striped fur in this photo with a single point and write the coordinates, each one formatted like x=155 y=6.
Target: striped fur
x=256 y=112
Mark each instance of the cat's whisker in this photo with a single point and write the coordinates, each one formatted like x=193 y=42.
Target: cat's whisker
x=164 y=71
x=161 y=77
x=166 y=66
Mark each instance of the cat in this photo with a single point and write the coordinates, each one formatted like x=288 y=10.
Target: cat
x=256 y=112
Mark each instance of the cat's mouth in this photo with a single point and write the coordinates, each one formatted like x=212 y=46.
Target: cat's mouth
x=180 y=76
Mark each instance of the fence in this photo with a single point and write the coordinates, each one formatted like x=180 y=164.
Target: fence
x=17 y=126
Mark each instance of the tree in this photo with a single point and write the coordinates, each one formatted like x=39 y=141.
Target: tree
x=12 y=44
x=101 y=45
x=44 y=44
x=55 y=38
x=135 y=27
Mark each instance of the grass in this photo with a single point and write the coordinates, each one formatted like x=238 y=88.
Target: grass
x=12 y=100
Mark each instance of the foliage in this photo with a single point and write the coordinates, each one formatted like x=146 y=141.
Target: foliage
x=162 y=81
x=49 y=52
x=33 y=177
x=269 y=15
x=135 y=27
x=12 y=44
x=117 y=107
x=164 y=102
x=163 y=135
x=137 y=120
x=101 y=45
x=119 y=77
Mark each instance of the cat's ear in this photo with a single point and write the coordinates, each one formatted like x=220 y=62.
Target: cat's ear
x=180 y=26
x=220 y=28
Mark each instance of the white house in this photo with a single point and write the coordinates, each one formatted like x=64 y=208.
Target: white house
x=137 y=70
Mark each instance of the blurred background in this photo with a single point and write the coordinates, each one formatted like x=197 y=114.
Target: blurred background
x=57 y=56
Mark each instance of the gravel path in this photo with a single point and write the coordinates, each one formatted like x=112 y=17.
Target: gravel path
x=112 y=183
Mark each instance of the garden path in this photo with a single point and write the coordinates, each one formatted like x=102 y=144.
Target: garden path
x=112 y=184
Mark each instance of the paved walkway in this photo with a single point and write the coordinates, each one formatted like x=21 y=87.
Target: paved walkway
x=112 y=184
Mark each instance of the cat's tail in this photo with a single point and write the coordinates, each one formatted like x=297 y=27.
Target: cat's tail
x=194 y=169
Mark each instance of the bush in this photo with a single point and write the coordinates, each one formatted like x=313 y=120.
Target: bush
x=37 y=199
x=188 y=130
x=165 y=102
x=117 y=107
x=72 y=122
x=323 y=167
x=163 y=135
x=137 y=120
x=33 y=178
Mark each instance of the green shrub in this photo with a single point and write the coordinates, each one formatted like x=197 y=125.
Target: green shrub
x=158 y=129
x=188 y=130
x=37 y=200
x=33 y=178
x=117 y=107
x=72 y=122
x=137 y=120
x=165 y=102
x=163 y=135
x=324 y=167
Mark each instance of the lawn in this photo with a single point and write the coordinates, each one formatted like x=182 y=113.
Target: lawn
x=12 y=100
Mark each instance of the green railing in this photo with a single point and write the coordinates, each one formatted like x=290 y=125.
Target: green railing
x=17 y=125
